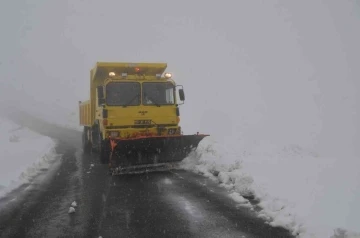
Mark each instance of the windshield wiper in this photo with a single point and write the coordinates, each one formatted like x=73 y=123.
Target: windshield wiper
x=130 y=101
x=152 y=100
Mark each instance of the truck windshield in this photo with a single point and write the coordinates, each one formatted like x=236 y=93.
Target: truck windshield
x=158 y=93
x=123 y=94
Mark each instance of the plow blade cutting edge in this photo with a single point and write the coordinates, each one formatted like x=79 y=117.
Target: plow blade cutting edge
x=150 y=153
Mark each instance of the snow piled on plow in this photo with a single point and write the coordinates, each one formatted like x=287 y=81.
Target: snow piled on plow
x=23 y=155
x=310 y=195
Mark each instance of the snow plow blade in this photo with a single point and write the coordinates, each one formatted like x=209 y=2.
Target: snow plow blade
x=142 y=154
x=138 y=169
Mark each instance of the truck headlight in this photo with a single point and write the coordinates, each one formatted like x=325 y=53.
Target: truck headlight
x=114 y=134
x=172 y=131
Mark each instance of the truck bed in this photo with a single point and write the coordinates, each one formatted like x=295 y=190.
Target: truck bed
x=85 y=113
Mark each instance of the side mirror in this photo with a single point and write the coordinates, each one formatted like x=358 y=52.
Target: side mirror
x=100 y=94
x=181 y=94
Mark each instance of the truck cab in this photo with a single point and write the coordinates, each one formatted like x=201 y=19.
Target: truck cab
x=132 y=102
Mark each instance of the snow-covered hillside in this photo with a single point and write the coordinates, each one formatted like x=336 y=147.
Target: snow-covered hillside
x=312 y=195
x=23 y=154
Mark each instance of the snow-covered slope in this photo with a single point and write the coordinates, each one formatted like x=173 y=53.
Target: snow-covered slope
x=23 y=154
x=313 y=196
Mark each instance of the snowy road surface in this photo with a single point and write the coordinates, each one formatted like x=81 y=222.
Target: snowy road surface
x=160 y=204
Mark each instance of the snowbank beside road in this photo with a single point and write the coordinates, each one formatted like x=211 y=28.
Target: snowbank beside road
x=310 y=195
x=23 y=154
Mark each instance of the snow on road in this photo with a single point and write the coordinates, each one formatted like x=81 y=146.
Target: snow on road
x=311 y=195
x=23 y=154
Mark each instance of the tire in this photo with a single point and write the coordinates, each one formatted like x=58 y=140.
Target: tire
x=100 y=146
x=86 y=144
x=104 y=153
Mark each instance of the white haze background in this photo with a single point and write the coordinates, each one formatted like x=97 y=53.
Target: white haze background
x=280 y=71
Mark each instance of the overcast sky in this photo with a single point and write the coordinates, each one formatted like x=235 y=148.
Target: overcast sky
x=282 y=71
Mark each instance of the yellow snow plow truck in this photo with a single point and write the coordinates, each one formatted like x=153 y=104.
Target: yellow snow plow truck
x=132 y=117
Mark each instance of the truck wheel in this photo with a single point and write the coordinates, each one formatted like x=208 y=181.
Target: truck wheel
x=104 y=152
x=86 y=144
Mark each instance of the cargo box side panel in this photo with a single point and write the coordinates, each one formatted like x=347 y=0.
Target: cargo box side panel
x=85 y=114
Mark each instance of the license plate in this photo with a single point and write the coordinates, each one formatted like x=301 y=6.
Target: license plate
x=142 y=122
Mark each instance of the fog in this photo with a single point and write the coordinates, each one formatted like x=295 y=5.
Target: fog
x=282 y=71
